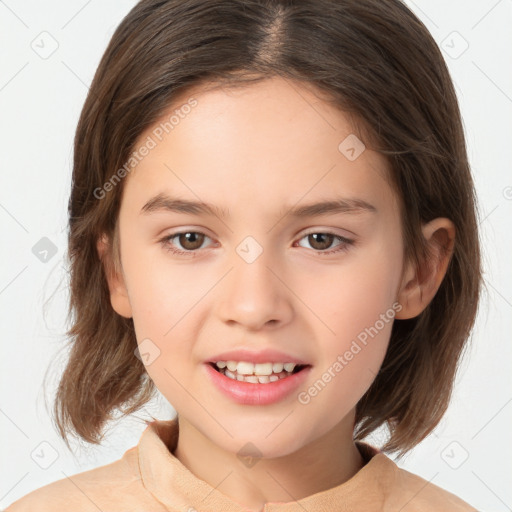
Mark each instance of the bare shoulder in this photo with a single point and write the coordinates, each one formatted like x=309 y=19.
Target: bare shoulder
x=115 y=486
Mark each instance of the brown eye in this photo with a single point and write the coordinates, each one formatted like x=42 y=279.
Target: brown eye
x=191 y=240
x=184 y=243
x=320 y=241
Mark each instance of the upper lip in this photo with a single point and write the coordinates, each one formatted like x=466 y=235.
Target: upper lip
x=261 y=356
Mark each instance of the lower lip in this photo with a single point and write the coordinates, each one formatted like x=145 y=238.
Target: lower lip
x=247 y=393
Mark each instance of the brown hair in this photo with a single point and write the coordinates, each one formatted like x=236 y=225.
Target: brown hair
x=375 y=61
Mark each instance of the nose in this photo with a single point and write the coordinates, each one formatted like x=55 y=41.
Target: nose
x=255 y=295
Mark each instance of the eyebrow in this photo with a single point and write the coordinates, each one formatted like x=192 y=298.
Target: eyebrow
x=165 y=203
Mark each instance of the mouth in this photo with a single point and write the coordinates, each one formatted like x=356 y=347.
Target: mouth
x=257 y=383
x=257 y=373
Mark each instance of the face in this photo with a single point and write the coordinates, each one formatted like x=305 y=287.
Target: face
x=260 y=273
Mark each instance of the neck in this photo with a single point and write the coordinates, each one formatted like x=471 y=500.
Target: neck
x=307 y=471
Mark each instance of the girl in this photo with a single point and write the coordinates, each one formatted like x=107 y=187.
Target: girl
x=272 y=221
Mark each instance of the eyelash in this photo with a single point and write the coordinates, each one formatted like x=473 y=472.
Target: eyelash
x=344 y=246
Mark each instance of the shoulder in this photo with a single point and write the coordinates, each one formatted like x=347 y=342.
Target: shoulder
x=115 y=486
x=399 y=489
x=412 y=493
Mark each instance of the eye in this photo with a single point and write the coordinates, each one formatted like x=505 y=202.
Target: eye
x=191 y=241
x=321 y=241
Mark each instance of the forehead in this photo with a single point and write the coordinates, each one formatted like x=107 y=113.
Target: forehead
x=269 y=142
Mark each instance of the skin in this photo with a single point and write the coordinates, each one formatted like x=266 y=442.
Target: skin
x=258 y=151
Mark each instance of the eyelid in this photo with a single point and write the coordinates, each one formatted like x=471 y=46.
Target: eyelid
x=345 y=234
x=345 y=241
x=332 y=231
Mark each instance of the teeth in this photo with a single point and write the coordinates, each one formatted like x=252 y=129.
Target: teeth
x=277 y=367
x=231 y=365
x=261 y=373
x=248 y=368
x=255 y=379
x=263 y=369
x=245 y=368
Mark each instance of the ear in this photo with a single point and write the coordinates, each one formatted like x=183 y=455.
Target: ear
x=115 y=279
x=419 y=286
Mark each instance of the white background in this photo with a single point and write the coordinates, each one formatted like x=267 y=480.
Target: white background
x=40 y=101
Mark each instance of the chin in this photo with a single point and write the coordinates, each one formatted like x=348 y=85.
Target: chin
x=263 y=442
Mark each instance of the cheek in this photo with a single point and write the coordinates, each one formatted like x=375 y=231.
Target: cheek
x=163 y=314
x=355 y=295
x=168 y=300
x=162 y=298
x=355 y=304
x=161 y=293
x=349 y=358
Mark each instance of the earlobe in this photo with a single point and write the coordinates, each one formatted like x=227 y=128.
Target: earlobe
x=419 y=285
x=118 y=292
